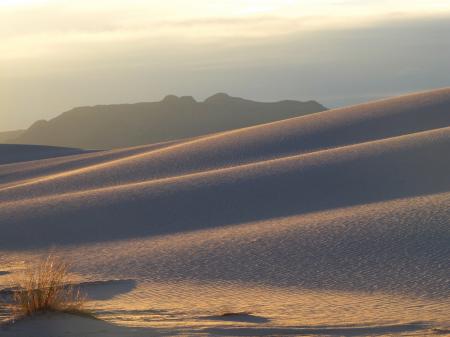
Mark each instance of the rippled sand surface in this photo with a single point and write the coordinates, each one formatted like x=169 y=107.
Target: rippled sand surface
x=334 y=224
x=315 y=271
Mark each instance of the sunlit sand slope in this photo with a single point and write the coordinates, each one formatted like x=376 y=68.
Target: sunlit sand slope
x=48 y=210
x=345 y=206
x=368 y=153
x=398 y=245
x=329 y=129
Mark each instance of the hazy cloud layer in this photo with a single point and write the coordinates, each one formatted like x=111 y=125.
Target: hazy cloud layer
x=56 y=56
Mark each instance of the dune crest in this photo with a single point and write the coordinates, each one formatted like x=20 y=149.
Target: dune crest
x=348 y=205
x=13 y=153
x=395 y=148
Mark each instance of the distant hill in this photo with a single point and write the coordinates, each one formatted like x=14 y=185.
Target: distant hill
x=7 y=136
x=123 y=125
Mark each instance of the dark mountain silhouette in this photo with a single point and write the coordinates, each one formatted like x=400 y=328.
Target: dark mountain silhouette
x=123 y=125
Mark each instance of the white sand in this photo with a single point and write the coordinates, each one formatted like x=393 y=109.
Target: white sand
x=13 y=153
x=352 y=200
x=58 y=325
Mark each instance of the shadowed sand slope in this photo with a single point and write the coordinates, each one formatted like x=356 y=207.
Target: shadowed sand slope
x=12 y=153
x=417 y=164
x=329 y=129
x=55 y=325
x=351 y=201
x=338 y=158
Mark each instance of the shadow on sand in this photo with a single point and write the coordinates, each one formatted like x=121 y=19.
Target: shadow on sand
x=321 y=330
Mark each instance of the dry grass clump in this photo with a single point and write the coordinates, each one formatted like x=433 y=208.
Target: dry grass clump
x=45 y=287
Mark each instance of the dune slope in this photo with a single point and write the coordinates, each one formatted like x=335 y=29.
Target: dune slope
x=339 y=217
x=325 y=130
x=13 y=153
x=395 y=148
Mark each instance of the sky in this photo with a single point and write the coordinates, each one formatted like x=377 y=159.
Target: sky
x=56 y=55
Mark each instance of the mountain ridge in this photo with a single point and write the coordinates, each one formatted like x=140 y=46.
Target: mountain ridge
x=125 y=125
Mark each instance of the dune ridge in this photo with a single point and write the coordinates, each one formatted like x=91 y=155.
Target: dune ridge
x=346 y=209
x=333 y=128
x=13 y=153
x=294 y=166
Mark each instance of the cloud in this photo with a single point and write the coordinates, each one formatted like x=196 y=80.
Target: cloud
x=97 y=19
x=78 y=58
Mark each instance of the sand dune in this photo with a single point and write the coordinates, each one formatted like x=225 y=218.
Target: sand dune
x=21 y=171
x=12 y=153
x=293 y=185
x=52 y=325
x=329 y=129
x=352 y=200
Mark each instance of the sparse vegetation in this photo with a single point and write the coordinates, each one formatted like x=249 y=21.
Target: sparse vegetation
x=44 y=287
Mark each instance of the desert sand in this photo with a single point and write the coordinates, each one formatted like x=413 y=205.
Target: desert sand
x=334 y=223
x=19 y=153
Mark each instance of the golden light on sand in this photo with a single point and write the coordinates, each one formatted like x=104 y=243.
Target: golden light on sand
x=224 y=168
